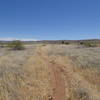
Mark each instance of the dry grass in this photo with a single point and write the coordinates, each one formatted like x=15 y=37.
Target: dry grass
x=26 y=75
x=86 y=62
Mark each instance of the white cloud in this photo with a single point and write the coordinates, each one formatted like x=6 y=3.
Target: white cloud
x=21 y=39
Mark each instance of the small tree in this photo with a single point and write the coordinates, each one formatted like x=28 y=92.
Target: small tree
x=63 y=42
x=16 y=45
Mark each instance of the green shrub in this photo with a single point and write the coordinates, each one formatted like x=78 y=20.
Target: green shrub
x=63 y=42
x=67 y=43
x=88 y=44
x=1 y=45
x=16 y=45
x=81 y=43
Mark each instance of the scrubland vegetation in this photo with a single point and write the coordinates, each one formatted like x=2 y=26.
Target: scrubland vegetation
x=16 y=45
x=86 y=62
x=50 y=71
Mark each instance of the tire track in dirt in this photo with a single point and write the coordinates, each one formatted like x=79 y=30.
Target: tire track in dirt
x=58 y=82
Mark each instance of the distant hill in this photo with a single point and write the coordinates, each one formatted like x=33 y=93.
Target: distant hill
x=57 y=41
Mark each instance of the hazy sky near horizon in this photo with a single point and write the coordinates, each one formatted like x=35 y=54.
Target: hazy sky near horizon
x=50 y=19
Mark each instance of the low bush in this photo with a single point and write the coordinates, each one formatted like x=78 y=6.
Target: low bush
x=16 y=45
x=67 y=43
x=2 y=45
x=64 y=42
x=88 y=44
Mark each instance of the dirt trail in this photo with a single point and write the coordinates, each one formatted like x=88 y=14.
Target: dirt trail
x=77 y=87
x=64 y=82
x=44 y=77
x=58 y=83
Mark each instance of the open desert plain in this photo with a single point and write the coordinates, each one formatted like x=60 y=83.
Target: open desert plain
x=50 y=72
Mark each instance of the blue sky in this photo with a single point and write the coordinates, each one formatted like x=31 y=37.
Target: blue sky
x=50 y=19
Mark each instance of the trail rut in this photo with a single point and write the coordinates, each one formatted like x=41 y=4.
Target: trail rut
x=63 y=73
x=58 y=83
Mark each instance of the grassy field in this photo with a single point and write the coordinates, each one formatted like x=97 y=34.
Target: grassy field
x=86 y=62
x=50 y=72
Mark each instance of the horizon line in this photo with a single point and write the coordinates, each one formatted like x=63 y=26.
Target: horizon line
x=32 y=39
